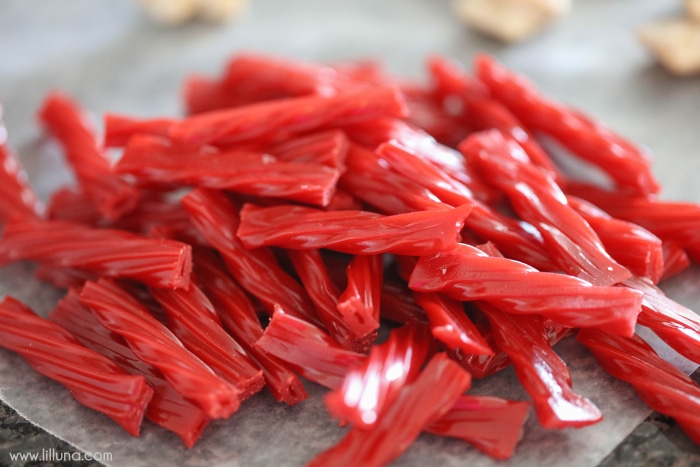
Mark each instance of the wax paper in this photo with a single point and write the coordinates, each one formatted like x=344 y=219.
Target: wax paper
x=110 y=57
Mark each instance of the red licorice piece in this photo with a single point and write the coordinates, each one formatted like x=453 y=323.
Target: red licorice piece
x=354 y=232
x=63 y=278
x=359 y=303
x=634 y=247
x=377 y=185
x=541 y=372
x=398 y=305
x=536 y=197
x=659 y=384
x=327 y=148
x=343 y=201
x=427 y=113
x=450 y=324
x=312 y=272
x=65 y=120
x=675 y=259
x=482 y=365
x=216 y=219
x=153 y=343
x=106 y=252
x=424 y=149
x=119 y=128
x=238 y=316
x=466 y=273
x=92 y=379
x=626 y=164
x=192 y=318
x=371 y=387
x=202 y=94
x=263 y=77
x=490 y=424
x=482 y=112
x=516 y=239
x=417 y=406
x=167 y=408
x=17 y=198
x=678 y=326
x=403 y=160
x=282 y=117
x=155 y=161
x=308 y=349
x=69 y=204
x=668 y=220
x=155 y=212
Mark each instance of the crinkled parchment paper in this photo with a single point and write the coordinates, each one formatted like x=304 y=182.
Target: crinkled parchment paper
x=111 y=58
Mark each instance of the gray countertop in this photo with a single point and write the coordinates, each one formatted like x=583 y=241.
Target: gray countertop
x=112 y=58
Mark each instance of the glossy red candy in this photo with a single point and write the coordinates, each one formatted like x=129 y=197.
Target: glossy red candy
x=94 y=380
x=167 y=408
x=354 y=232
x=106 y=252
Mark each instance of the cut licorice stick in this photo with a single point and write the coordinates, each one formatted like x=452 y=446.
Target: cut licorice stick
x=17 y=198
x=94 y=380
x=404 y=160
x=377 y=132
x=120 y=128
x=412 y=411
x=467 y=273
x=627 y=164
x=216 y=218
x=154 y=161
x=74 y=205
x=310 y=350
x=65 y=120
x=238 y=316
x=359 y=302
x=678 y=326
x=167 y=408
x=450 y=324
x=202 y=94
x=106 y=252
x=398 y=305
x=327 y=148
x=282 y=117
x=676 y=260
x=537 y=199
x=153 y=343
x=669 y=220
x=634 y=247
x=661 y=386
x=352 y=332
x=483 y=112
x=490 y=424
x=354 y=232
x=542 y=373
x=382 y=188
x=264 y=77
x=192 y=318
x=372 y=386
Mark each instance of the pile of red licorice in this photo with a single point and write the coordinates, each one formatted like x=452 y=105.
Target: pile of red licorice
x=332 y=200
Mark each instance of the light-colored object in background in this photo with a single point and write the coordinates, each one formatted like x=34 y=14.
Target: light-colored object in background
x=693 y=8
x=170 y=12
x=174 y=12
x=217 y=11
x=510 y=20
x=675 y=43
